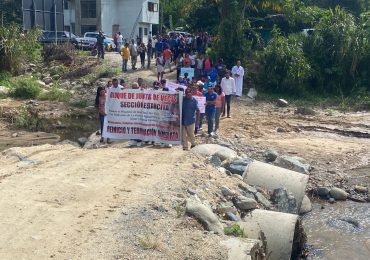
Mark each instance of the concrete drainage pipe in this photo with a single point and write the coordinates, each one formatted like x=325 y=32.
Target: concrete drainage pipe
x=272 y=177
x=282 y=232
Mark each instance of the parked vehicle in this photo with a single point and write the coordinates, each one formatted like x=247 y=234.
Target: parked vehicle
x=184 y=34
x=89 y=41
x=59 y=38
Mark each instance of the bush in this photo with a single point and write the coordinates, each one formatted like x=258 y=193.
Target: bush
x=27 y=119
x=56 y=94
x=235 y=230
x=286 y=68
x=338 y=52
x=24 y=88
x=17 y=48
x=65 y=53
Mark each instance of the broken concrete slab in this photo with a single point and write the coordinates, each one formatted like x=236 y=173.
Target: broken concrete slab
x=243 y=248
x=211 y=149
x=203 y=214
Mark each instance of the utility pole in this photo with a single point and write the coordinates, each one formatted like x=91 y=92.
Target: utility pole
x=162 y=16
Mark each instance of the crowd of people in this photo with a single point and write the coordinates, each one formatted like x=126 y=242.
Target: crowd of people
x=211 y=80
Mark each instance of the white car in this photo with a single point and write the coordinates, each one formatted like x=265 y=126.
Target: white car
x=89 y=40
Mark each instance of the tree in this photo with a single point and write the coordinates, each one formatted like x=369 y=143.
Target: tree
x=10 y=12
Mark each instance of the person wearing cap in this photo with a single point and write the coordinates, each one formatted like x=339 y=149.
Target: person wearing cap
x=211 y=98
x=190 y=116
x=229 y=88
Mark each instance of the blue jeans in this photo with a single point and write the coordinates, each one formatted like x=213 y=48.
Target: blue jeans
x=210 y=113
x=101 y=119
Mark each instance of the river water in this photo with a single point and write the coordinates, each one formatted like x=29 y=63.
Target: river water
x=338 y=231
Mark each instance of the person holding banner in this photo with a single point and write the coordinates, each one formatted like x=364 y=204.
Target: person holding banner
x=190 y=116
x=211 y=98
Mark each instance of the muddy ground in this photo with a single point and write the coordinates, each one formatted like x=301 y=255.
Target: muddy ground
x=108 y=203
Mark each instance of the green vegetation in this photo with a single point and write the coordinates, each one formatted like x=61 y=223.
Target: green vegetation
x=329 y=64
x=55 y=94
x=26 y=119
x=235 y=230
x=149 y=242
x=16 y=49
x=24 y=88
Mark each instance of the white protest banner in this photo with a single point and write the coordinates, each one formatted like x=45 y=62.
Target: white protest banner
x=147 y=115
x=190 y=72
x=173 y=86
x=201 y=103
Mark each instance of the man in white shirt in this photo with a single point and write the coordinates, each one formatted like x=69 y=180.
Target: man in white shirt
x=228 y=87
x=238 y=74
x=133 y=53
x=119 y=42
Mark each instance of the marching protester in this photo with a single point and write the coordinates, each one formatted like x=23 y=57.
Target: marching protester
x=190 y=116
x=142 y=50
x=220 y=106
x=133 y=53
x=100 y=88
x=125 y=53
x=238 y=74
x=211 y=98
x=167 y=56
x=179 y=64
x=228 y=86
x=160 y=66
x=149 y=49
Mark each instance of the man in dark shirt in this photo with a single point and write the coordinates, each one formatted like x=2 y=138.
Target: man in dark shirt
x=100 y=43
x=211 y=98
x=190 y=114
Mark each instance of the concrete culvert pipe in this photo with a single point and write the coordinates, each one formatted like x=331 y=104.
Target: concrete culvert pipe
x=284 y=234
x=272 y=177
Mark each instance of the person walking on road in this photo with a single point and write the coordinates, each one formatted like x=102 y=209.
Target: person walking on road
x=238 y=74
x=142 y=51
x=160 y=66
x=228 y=86
x=190 y=116
x=211 y=98
x=133 y=53
x=220 y=106
x=119 y=42
x=149 y=49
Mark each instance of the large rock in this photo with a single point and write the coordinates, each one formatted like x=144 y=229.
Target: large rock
x=244 y=203
x=282 y=102
x=306 y=205
x=270 y=155
x=246 y=187
x=210 y=149
x=322 y=192
x=239 y=166
x=47 y=80
x=203 y=214
x=262 y=199
x=227 y=206
x=293 y=163
x=306 y=111
x=226 y=191
x=338 y=194
x=284 y=201
x=82 y=141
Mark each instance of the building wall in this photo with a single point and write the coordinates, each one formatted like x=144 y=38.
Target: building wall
x=120 y=15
